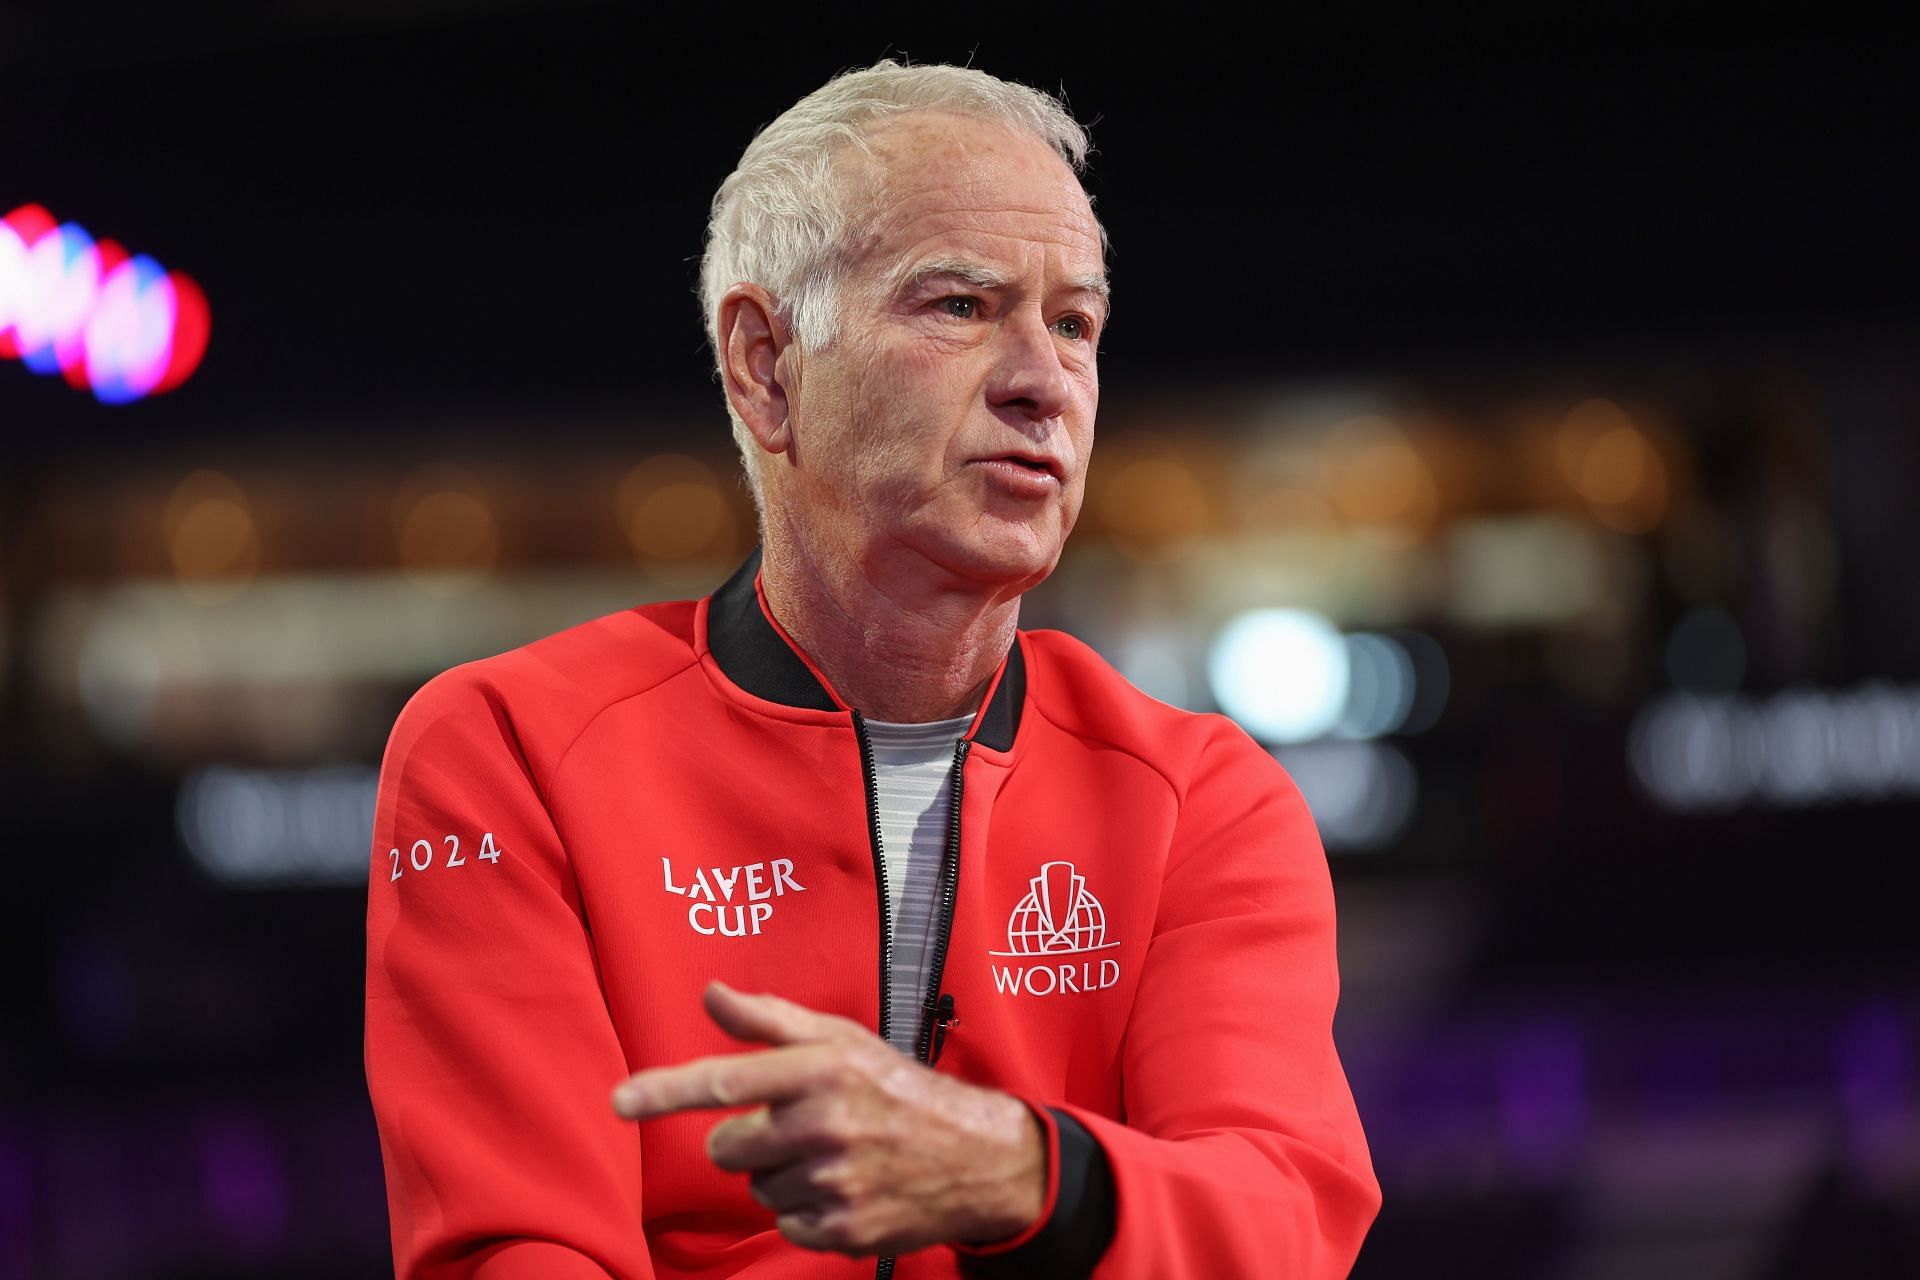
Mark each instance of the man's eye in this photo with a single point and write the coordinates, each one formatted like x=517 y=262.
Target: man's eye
x=1074 y=327
x=960 y=307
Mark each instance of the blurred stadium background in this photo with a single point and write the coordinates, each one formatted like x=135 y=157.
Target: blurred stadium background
x=1514 y=423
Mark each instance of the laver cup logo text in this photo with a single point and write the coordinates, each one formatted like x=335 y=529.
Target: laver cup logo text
x=1056 y=929
x=736 y=902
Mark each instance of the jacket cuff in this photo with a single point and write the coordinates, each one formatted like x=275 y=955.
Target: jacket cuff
x=1076 y=1222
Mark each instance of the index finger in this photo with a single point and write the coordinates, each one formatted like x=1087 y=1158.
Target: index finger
x=726 y=1080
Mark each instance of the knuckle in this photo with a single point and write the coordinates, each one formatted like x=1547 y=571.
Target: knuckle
x=852 y=1185
x=831 y=1125
x=838 y=1118
x=812 y=1126
x=845 y=1070
x=833 y=1177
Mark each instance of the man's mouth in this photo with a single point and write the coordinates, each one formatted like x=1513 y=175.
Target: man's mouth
x=1023 y=477
x=1039 y=466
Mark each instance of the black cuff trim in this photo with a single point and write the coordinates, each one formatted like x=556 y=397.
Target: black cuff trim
x=1075 y=1238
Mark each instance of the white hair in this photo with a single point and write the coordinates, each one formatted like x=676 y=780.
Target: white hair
x=780 y=219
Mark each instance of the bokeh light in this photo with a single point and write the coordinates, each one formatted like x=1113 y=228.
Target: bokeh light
x=1282 y=673
x=1797 y=748
x=1361 y=794
x=121 y=325
x=444 y=530
x=1155 y=508
x=671 y=508
x=60 y=283
x=1378 y=482
x=1432 y=680
x=128 y=341
x=212 y=538
x=1380 y=686
x=275 y=828
x=1614 y=466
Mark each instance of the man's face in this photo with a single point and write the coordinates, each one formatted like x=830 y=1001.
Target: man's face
x=951 y=421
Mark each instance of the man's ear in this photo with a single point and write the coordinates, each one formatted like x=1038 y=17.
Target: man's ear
x=752 y=338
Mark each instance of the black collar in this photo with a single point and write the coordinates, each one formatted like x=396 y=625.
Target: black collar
x=758 y=659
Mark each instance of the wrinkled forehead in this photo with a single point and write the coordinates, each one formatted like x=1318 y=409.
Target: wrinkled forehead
x=935 y=182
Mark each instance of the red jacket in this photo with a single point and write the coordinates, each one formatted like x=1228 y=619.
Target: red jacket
x=571 y=838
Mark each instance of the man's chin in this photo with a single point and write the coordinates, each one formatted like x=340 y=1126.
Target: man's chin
x=1011 y=557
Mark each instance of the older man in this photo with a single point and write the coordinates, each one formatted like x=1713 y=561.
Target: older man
x=1046 y=966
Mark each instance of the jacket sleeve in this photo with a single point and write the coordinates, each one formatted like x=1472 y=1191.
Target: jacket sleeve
x=1241 y=1152
x=490 y=1054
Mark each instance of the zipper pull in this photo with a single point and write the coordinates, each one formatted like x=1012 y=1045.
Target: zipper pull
x=943 y=1017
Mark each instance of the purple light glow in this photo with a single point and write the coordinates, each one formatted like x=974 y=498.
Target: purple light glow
x=16 y=1211
x=1543 y=1100
x=1874 y=1069
x=243 y=1181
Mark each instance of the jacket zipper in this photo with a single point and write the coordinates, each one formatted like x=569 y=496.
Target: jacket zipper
x=879 y=873
x=936 y=1010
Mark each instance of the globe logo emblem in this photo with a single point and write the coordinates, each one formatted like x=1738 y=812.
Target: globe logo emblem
x=1057 y=915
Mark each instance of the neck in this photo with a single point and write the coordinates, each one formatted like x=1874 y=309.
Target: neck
x=901 y=646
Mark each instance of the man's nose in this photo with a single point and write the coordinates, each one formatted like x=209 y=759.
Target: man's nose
x=1029 y=377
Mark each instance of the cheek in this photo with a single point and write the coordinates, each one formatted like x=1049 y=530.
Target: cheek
x=1070 y=500
x=1082 y=430
x=945 y=384
x=898 y=390
x=921 y=401
x=892 y=361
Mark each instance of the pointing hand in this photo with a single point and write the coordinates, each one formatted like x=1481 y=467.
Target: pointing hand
x=855 y=1147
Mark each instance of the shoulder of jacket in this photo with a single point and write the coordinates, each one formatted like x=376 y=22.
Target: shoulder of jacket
x=544 y=693
x=1081 y=693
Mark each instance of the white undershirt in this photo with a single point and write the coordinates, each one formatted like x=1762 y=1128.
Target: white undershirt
x=913 y=773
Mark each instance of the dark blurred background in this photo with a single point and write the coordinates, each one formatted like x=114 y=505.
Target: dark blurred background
x=1516 y=423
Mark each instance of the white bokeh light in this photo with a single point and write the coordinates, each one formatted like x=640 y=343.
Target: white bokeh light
x=1282 y=673
x=1797 y=748
x=1361 y=794
x=1379 y=686
x=279 y=828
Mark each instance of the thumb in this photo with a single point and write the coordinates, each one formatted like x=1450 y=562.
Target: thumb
x=766 y=1019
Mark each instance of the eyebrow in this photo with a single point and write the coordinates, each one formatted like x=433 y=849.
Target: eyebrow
x=984 y=277
x=963 y=269
x=1096 y=285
